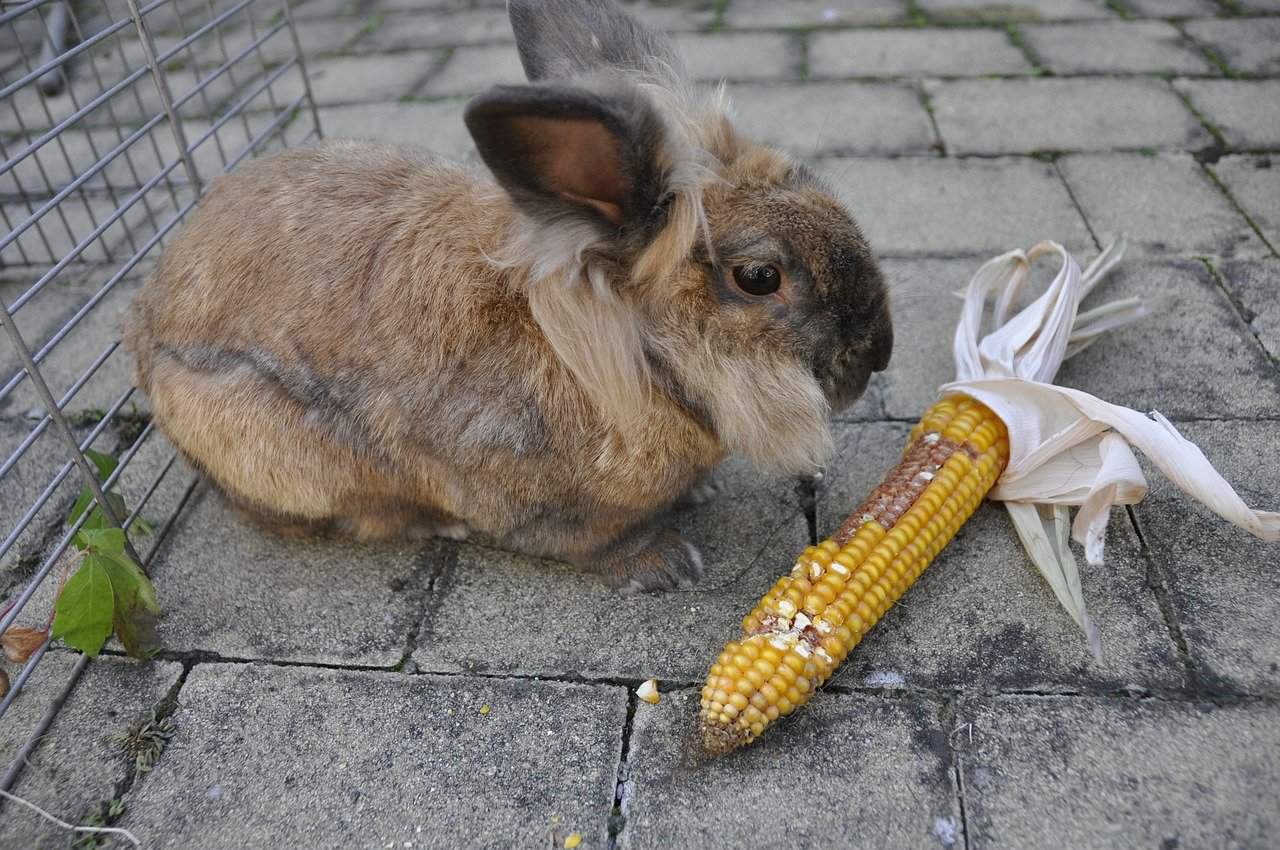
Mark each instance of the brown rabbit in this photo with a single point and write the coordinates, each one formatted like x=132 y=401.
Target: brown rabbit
x=373 y=338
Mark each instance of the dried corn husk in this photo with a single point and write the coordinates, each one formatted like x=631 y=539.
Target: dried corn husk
x=1068 y=448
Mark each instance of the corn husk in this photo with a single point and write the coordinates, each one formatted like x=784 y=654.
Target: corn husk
x=1068 y=448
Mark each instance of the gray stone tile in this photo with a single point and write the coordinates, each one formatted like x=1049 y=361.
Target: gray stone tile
x=402 y=30
x=1115 y=47
x=1022 y=116
x=41 y=319
x=356 y=79
x=981 y=616
x=812 y=13
x=1225 y=583
x=916 y=52
x=948 y=206
x=472 y=69
x=1174 y=8
x=812 y=118
x=318 y=38
x=1254 y=181
x=1192 y=357
x=1105 y=773
x=1168 y=203
x=333 y=758
x=559 y=620
x=230 y=588
x=1256 y=287
x=740 y=56
x=1251 y=45
x=436 y=126
x=900 y=795
x=1260 y=5
x=1246 y=112
x=673 y=15
x=1018 y=10
x=76 y=767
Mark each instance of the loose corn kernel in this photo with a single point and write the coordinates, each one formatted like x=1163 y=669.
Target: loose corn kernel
x=814 y=616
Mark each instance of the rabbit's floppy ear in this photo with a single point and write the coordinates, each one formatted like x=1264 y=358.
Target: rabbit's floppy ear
x=558 y=39
x=563 y=152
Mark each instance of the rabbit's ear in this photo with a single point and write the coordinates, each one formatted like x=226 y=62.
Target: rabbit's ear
x=558 y=39
x=563 y=152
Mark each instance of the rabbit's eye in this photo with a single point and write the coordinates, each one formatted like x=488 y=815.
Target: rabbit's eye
x=757 y=280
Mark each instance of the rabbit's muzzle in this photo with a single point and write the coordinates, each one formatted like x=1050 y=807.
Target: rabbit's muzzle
x=844 y=377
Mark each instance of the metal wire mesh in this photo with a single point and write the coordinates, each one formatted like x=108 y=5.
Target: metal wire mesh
x=115 y=115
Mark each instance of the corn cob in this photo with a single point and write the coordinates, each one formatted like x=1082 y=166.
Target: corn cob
x=803 y=628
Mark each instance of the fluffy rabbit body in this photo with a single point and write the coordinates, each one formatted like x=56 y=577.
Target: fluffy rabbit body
x=376 y=339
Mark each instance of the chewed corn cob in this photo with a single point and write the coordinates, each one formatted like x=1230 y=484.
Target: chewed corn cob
x=800 y=632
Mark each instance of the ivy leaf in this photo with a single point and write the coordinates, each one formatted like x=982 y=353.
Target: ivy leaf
x=104 y=541
x=128 y=582
x=106 y=463
x=135 y=606
x=83 y=612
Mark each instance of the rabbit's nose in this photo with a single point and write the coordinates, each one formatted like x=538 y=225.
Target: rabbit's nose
x=881 y=341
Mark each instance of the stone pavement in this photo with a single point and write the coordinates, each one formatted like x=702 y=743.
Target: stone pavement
x=335 y=695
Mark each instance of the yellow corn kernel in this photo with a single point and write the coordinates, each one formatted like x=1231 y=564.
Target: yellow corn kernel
x=814 y=616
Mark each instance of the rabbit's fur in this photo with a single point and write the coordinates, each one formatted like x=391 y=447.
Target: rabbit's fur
x=373 y=338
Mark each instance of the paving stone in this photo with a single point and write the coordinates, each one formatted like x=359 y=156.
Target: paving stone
x=673 y=15
x=75 y=354
x=1115 y=47
x=1168 y=204
x=559 y=620
x=1225 y=584
x=370 y=78
x=1246 y=112
x=1022 y=116
x=1174 y=8
x=435 y=126
x=1191 y=358
x=21 y=486
x=939 y=52
x=1019 y=10
x=982 y=616
x=740 y=56
x=473 y=69
x=813 y=13
x=1105 y=773
x=381 y=760
x=1254 y=181
x=1260 y=5
x=948 y=206
x=832 y=117
x=76 y=767
x=1251 y=45
x=318 y=38
x=230 y=588
x=1256 y=287
x=900 y=794
x=402 y=31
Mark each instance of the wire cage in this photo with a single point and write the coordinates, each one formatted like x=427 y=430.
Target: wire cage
x=116 y=114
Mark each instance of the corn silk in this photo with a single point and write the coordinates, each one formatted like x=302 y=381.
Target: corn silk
x=1068 y=448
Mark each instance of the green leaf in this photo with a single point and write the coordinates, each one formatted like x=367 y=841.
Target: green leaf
x=83 y=612
x=135 y=606
x=128 y=581
x=106 y=463
x=104 y=541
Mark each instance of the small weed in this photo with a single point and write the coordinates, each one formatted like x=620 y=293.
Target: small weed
x=101 y=814
x=143 y=744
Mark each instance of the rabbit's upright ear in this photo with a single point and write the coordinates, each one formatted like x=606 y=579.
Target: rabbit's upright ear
x=558 y=39
x=565 y=152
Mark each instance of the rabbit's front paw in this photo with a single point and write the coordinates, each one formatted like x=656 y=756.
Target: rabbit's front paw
x=666 y=562
x=699 y=494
